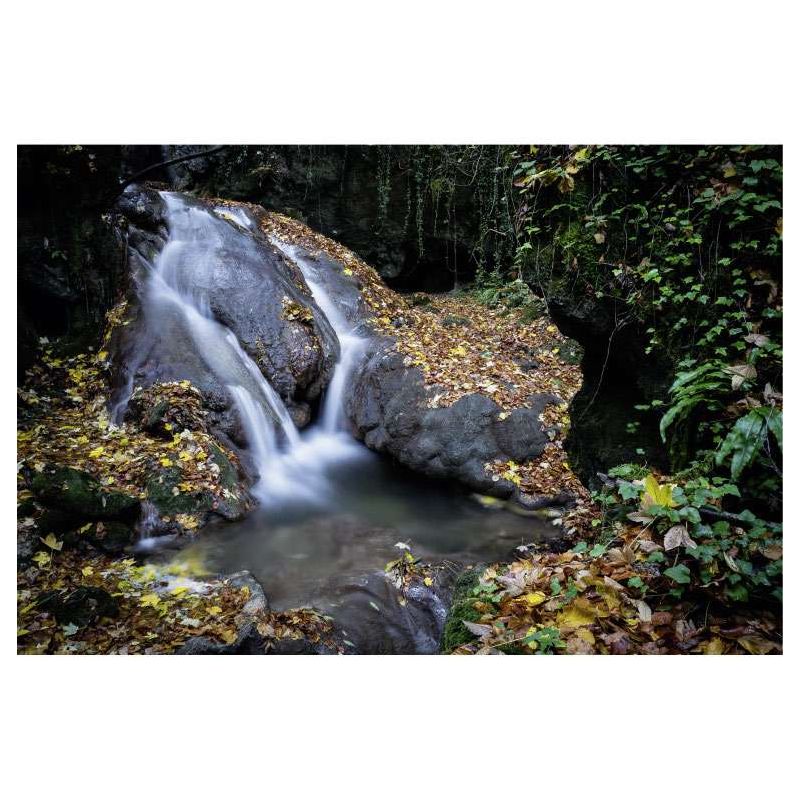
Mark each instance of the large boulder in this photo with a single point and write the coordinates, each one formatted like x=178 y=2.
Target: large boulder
x=247 y=287
x=389 y=407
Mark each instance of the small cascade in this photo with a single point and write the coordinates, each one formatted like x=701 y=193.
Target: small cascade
x=177 y=288
x=292 y=468
x=351 y=345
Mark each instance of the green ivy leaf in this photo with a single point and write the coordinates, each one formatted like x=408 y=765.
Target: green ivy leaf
x=679 y=573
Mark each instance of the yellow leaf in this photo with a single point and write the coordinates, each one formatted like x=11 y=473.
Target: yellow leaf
x=586 y=635
x=102 y=355
x=580 y=612
x=655 y=494
x=179 y=590
x=51 y=542
x=97 y=452
x=229 y=636
x=347 y=271
x=185 y=384
x=428 y=582
x=214 y=610
x=150 y=600
x=534 y=599
x=165 y=462
x=42 y=559
x=86 y=571
x=714 y=647
x=756 y=645
x=458 y=351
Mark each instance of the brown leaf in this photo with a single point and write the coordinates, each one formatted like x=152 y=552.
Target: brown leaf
x=478 y=630
x=741 y=373
x=757 y=645
x=678 y=536
x=661 y=618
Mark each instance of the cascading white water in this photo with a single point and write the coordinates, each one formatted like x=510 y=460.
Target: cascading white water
x=177 y=284
x=351 y=345
x=291 y=467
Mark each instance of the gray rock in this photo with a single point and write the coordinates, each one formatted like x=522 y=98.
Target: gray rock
x=389 y=411
x=247 y=284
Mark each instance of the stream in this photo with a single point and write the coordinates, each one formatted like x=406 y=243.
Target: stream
x=331 y=513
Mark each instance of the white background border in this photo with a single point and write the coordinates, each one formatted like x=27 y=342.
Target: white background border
x=349 y=72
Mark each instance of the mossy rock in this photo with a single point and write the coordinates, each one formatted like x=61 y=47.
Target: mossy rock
x=25 y=508
x=74 y=494
x=532 y=310
x=455 y=321
x=164 y=409
x=462 y=607
x=570 y=352
x=153 y=419
x=162 y=491
x=231 y=508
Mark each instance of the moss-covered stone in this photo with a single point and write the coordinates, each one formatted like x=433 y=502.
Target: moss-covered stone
x=164 y=409
x=419 y=299
x=82 y=606
x=234 y=504
x=77 y=495
x=462 y=607
x=164 y=493
x=455 y=321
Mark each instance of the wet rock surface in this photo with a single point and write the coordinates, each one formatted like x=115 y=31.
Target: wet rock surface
x=388 y=404
x=248 y=288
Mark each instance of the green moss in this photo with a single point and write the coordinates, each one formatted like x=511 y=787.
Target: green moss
x=160 y=492
x=228 y=476
x=462 y=607
x=77 y=494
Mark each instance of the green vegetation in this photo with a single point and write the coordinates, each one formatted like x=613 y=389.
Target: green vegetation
x=681 y=245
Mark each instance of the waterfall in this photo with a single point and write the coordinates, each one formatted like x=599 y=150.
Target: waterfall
x=351 y=345
x=177 y=286
x=292 y=468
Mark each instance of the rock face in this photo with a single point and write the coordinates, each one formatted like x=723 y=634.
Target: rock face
x=77 y=495
x=247 y=287
x=388 y=406
x=389 y=409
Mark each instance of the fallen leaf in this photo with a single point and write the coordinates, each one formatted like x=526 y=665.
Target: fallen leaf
x=678 y=536
x=478 y=630
x=757 y=645
x=51 y=541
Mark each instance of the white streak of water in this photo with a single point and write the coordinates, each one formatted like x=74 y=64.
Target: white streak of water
x=291 y=468
x=351 y=345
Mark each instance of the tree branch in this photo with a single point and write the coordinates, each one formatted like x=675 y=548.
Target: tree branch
x=168 y=163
